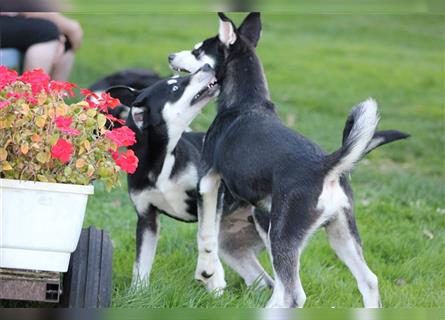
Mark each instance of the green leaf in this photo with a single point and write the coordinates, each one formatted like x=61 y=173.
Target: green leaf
x=42 y=178
x=91 y=112
x=43 y=157
x=53 y=139
x=67 y=171
x=101 y=120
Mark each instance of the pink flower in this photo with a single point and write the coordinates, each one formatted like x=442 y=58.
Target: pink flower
x=4 y=104
x=14 y=95
x=122 y=137
x=7 y=76
x=127 y=161
x=62 y=150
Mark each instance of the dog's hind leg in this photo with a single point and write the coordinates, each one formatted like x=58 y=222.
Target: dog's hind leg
x=290 y=226
x=344 y=238
x=239 y=245
x=285 y=255
x=147 y=232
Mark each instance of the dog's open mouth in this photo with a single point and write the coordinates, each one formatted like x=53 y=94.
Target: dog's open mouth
x=177 y=69
x=208 y=91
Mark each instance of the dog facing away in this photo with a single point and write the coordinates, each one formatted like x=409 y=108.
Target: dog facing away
x=167 y=176
x=295 y=186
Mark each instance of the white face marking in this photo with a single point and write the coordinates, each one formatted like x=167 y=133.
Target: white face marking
x=197 y=46
x=172 y=81
x=186 y=60
x=180 y=114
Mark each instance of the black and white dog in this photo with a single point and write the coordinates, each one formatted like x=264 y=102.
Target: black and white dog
x=135 y=78
x=295 y=186
x=167 y=176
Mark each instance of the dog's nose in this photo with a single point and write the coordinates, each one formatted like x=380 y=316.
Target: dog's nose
x=171 y=57
x=206 y=68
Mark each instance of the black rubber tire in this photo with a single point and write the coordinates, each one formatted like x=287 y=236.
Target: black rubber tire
x=87 y=284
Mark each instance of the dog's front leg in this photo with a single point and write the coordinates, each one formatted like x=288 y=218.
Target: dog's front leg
x=147 y=233
x=209 y=268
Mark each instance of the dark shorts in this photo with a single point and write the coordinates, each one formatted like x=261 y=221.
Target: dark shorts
x=20 y=32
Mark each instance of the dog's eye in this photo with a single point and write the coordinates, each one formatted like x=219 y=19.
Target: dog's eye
x=175 y=88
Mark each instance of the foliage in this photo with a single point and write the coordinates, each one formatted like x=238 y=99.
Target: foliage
x=43 y=138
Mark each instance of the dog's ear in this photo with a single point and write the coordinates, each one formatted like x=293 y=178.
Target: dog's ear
x=251 y=28
x=126 y=95
x=227 y=30
x=152 y=118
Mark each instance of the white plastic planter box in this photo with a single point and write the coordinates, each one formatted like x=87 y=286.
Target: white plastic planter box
x=40 y=223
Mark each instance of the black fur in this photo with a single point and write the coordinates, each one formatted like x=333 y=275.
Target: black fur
x=258 y=158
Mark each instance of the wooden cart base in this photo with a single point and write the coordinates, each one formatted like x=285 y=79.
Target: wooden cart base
x=30 y=285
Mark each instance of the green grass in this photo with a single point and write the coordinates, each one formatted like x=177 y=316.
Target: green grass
x=317 y=66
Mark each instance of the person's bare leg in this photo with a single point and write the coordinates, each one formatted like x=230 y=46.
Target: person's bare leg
x=62 y=68
x=42 y=55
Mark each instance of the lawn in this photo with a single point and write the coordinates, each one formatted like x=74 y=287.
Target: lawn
x=318 y=67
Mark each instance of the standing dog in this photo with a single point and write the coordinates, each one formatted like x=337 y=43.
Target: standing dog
x=295 y=185
x=167 y=176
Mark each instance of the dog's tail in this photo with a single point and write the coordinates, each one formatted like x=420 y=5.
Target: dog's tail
x=384 y=137
x=357 y=136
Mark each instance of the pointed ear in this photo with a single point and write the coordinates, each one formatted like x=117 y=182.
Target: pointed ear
x=227 y=31
x=251 y=28
x=125 y=94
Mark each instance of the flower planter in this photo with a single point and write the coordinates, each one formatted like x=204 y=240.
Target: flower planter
x=40 y=223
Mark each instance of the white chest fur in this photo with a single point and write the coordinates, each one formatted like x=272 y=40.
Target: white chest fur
x=168 y=195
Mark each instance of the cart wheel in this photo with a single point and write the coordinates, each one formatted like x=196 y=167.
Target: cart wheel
x=87 y=284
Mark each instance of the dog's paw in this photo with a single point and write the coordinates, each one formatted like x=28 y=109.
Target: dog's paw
x=139 y=280
x=211 y=272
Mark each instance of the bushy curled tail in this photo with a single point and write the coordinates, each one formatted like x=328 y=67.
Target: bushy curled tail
x=358 y=132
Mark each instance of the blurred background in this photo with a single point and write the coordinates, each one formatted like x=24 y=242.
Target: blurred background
x=319 y=60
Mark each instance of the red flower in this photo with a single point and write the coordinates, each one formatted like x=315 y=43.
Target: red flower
x=6 y=76
x=102 y=102
x=109 y=101
x=122 y=137
x=127 y=161
x=88 y=93
x=38 y=80
x=62 y=150
x=64 y=123
x=114 y=119
x=106 y=101
x=62 y=87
